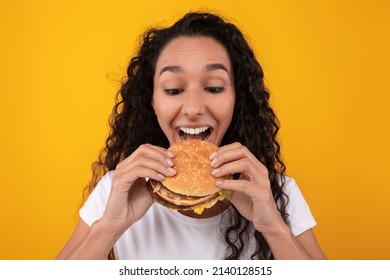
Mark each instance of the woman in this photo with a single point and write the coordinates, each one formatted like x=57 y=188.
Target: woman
x=198 y=73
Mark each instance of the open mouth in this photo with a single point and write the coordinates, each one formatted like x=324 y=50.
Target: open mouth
x=200 y=133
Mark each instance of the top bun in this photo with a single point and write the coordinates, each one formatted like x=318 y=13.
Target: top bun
x=192 y=163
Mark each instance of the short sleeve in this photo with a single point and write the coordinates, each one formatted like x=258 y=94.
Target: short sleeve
x=95 y=205
x=300 y=216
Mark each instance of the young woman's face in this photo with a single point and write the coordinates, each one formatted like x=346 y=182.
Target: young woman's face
x=193 y=93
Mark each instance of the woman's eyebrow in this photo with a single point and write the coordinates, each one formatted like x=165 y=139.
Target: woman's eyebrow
x=174 y=69
x=215 y=66
x=207 y=68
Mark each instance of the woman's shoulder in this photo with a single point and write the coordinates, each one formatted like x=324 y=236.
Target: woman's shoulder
x=299 y=215
x=291 y=189
x=95 y=205
x=103 y=187
x=107 y=177
x=287 y=183
x=105 y=182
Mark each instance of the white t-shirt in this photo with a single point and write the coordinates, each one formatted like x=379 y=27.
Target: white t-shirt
x=166 y=234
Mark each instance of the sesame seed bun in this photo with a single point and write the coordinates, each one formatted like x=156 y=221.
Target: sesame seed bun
x=192 y=164
x=193 y=186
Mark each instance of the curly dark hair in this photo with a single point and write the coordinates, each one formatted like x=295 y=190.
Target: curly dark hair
x=254 y=123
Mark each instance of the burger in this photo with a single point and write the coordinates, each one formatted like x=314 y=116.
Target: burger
x=193 y=186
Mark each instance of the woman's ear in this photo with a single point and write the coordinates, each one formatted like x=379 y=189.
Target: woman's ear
x=153 y=107
x=151 y=103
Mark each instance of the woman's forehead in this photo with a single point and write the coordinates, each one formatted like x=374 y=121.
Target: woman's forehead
x=195 y=52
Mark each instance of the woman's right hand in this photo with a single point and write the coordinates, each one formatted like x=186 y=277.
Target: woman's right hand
x=128 y=202
x=129 y=198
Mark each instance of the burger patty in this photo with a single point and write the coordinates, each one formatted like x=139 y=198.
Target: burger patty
x=192 y=202
x=178 y=199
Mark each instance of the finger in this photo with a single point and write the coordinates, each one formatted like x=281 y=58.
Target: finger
x=168 y=153
x=149 y=151
x=123 y=182
x=230 y=153
x=166 y=171
x=156 y=153
x=142 y=165
x=149 y=173
x=235 y=152
x=229 y=146
x=241 y=186
x=221 y=150
x=243 y=166
x=257 y=192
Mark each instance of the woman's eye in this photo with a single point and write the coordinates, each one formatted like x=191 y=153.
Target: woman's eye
x=215 y=89
x=173 y=91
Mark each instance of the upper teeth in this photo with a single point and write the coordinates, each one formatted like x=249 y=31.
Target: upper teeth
x=194 y=130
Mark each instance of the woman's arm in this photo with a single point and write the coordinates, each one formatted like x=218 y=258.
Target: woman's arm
x=89 y=243
x=253 y=198
x=128 y=202
x=285 y=246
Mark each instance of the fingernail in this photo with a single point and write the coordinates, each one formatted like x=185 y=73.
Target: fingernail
x=214 y=162
x=170 y=162
x=218 y=183
x=161 y=176
x=170 y=154
x=212 y=155
x=171 y=170
x=215 y=172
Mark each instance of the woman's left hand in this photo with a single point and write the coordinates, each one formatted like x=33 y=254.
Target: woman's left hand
x=251 y=193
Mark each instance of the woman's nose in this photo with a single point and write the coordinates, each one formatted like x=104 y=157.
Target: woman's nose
x=193 y=104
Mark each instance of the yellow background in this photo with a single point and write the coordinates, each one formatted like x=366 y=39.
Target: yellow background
x=326 y=64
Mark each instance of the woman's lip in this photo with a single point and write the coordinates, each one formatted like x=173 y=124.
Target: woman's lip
x=192 y=125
